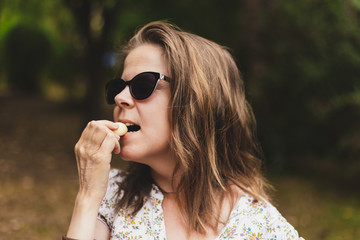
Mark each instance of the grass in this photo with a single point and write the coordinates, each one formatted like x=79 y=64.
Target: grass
x=316 y=210
x=38 y=180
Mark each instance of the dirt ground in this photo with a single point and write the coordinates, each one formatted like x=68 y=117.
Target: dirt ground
x=38 y=179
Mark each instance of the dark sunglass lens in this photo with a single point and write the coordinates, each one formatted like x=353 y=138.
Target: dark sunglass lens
x=113 y=88
x=143 y=85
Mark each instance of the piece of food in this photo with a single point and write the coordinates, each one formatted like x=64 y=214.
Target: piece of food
x=122 y=129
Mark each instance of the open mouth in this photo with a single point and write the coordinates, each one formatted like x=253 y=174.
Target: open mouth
x=132 y=127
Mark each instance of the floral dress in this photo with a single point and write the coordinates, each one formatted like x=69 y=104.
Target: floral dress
x=248 y=220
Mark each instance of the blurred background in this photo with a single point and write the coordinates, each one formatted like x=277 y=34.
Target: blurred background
x=300 y=61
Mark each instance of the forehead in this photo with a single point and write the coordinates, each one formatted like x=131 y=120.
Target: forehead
x=146 y=57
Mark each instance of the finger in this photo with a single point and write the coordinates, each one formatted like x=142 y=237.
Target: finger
x=94 y=126
x=105 y=124
x=109 y=144
x=94 y=135
x=117 y=147
x=109 y=124
x=87 y=132
x=97 y=132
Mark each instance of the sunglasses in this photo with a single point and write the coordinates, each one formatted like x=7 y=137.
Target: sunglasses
x=141 y=86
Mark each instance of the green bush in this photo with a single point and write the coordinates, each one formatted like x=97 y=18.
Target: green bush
x=26 y=52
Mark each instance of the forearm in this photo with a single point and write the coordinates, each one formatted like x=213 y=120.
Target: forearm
x=83 y=221
x=93 y=154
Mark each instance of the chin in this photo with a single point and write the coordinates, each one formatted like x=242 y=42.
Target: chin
x=128 y=155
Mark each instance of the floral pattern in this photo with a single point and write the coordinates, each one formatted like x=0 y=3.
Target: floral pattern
x=249 y=220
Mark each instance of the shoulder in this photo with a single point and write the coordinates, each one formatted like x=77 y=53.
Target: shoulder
x=259 y=219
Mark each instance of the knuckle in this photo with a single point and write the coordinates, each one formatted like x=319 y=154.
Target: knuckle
x=91 y=123
x=77 y=147
x=81 y=150
x=96 y=157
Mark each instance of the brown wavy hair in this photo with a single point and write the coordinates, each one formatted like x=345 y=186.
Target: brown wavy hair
x=212 y=125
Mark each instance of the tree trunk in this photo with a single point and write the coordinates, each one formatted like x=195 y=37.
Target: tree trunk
x=95 y=47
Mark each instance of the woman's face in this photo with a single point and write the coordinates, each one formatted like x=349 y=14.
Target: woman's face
x=151 y=142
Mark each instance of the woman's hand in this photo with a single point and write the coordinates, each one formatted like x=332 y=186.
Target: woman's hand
x=93 y=154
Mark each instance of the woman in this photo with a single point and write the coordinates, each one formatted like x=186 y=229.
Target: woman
x=194 y=171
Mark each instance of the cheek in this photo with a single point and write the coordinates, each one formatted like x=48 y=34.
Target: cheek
x=158 y=118
x=164 y=125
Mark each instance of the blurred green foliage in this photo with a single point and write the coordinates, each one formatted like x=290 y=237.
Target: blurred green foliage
x=25 y=51
x=300 y=61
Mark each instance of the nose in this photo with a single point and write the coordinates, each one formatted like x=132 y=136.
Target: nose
x=124 y=98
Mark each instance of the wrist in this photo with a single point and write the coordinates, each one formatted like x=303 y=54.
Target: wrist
x=84 y=217
x=89 y=197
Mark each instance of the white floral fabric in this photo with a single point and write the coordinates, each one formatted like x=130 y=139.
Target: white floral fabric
x=248 y=220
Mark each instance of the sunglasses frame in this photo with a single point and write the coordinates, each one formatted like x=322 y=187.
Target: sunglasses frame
x=158 y=76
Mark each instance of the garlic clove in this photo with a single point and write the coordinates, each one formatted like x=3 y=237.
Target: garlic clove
x=122 y=129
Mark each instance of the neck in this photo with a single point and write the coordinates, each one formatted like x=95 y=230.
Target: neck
x=164 y=180
x=162 y=172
